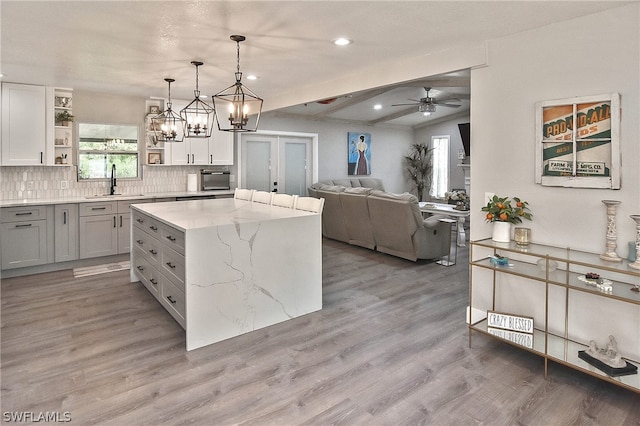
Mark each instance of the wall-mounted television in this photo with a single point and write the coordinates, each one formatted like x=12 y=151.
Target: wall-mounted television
x=465 y=134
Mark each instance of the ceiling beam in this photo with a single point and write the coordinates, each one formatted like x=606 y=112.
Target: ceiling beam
x=353 y=100
x=397 y=114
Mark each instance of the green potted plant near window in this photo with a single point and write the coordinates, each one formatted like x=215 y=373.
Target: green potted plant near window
x=502 y=212
x=64 y=118
x=418 y=168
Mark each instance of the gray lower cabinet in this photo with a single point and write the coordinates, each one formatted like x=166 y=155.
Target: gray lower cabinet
x=27 y=236
x=65 y=232
x=105 y=228
x=98 y=229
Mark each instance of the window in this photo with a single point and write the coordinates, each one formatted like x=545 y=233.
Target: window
x=101 y=145
x=578 y=142
x=440 y=171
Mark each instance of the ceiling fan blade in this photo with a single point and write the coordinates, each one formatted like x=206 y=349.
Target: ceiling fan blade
x=405 y=104
x=449 y=105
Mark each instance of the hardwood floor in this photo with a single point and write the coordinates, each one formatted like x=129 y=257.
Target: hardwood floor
x=389 y=347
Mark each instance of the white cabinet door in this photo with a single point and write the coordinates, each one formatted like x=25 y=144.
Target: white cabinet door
x=199 y=151
x=24 y=244
x=221 y=148
x=98 y=236
x=23 y=125
x=66 y=232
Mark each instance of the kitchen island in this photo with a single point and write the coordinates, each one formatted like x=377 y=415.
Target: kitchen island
x=226 y=267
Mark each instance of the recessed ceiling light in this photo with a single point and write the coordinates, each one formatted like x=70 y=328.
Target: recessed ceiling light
x=377 y=106
x=252 y=77
x=342 y=41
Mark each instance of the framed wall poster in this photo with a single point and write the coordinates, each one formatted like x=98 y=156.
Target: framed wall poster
x=359 y=154
x=584 y=155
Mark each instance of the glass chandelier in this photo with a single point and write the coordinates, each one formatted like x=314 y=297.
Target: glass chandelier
x=198 y=115
x=166 y=125
x=239 y=102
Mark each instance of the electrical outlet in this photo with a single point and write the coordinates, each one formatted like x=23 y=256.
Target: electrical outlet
x=488 y=196
x=64 y=184
x=30 y=186
x=461 y=154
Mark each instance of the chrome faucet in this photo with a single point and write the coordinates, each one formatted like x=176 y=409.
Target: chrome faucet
x=112 y=190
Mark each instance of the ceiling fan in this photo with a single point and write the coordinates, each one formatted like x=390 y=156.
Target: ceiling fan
x=427 y=105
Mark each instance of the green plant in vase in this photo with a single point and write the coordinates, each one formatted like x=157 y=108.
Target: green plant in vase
x=63 y=118
x=501 y=209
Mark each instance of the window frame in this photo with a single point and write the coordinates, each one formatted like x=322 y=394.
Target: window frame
x=570 y=135
x=446 y=164
x=139 y=152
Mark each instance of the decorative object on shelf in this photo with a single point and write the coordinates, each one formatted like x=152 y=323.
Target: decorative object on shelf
x=602 y=284
x=607 y=358
x=510 y=322
x=63 y=118
x=165 y=125
x=154 y=158
x=418 y=167
x=155 y=109
x=522 y=236
x=498 y=260
x=501 y=212
x=63 y=102
x=459 y=197
x=611 y=255
x=636 y=263
x=198 y=115
x=239 y=101
x=64 y=158
x=542 y=264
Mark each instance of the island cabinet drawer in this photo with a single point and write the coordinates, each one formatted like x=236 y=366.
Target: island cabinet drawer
x=146 y=223
x=23 y=214
x=147 y=244
x=173 y=238
x=148 y=275
x=173 y=265
x=173 y=300
x=94 y=209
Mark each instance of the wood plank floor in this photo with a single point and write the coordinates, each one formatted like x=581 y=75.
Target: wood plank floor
x=390 y=347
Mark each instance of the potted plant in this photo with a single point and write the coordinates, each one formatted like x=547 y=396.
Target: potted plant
x=63 y=118
x=418 y=168
x=502 y=212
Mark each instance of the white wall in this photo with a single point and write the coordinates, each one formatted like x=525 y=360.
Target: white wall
x=424 y=134
x=388 y=146
x=595 y=54
x=592 y=55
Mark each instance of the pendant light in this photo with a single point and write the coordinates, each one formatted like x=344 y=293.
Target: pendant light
x=239 y=102
x=167 y=125
x=198 y=115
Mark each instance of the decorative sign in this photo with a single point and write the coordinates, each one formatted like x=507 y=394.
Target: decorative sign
x=522 y=339
x=578 y=143
x=510 y=322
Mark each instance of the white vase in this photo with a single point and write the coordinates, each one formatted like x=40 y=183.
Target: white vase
x=501 y=232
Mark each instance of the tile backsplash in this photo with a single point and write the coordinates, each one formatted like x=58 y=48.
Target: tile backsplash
x=18 y=183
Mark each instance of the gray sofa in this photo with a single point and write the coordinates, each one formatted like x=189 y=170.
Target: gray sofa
x=378 y=220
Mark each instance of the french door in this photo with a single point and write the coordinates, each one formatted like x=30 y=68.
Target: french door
x=278 y=162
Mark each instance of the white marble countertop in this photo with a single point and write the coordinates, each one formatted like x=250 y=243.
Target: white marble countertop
x=194 y=214
x=103 y=198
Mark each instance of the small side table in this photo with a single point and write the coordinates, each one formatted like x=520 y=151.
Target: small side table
x=447 y=261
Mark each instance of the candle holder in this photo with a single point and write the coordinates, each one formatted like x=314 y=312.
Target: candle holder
x=522 y=236
x=636 y=264
x=611 y=255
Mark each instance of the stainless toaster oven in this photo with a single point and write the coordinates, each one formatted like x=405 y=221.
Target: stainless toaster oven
x=211 y=180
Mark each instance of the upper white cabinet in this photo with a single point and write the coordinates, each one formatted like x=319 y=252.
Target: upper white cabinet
x=216 y=150
x=23 y=125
